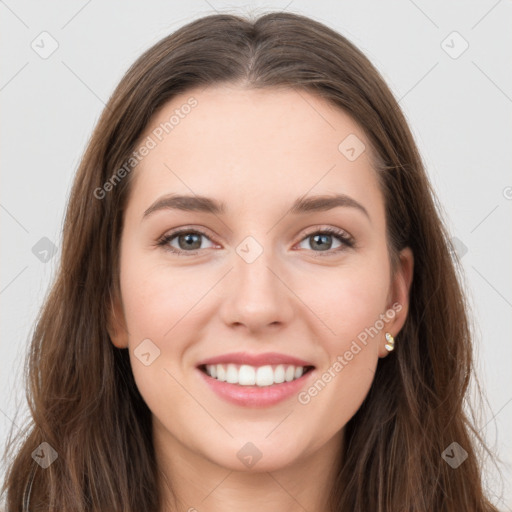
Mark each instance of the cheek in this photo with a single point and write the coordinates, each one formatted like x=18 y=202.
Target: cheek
x=156 y=317
x=156 y=297
x=351 y=306
x=349 y=301
x=161 y=305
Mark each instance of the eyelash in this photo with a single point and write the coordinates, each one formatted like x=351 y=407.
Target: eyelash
x=345 y=239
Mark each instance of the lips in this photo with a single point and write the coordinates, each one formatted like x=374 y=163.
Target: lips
x=245 y=358
x=255 y=380
x=255 y=390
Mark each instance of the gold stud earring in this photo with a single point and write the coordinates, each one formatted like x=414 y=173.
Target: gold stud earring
x=390 y=342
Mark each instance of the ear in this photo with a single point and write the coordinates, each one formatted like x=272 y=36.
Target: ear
x=398 y=299
x=116 y=325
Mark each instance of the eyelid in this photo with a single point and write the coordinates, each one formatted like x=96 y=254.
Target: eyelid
x=347 y=240
x=165 y=239
x=339 y=232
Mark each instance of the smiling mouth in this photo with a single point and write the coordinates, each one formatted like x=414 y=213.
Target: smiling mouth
x=259 y=376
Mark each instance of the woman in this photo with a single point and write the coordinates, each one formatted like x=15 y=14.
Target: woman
x=312 y=350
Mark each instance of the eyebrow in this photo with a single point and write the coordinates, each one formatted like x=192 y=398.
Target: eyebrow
x=204 y=204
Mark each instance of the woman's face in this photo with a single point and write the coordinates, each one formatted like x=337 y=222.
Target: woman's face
x=253 y=284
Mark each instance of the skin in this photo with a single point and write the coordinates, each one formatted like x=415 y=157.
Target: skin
x=257 y=151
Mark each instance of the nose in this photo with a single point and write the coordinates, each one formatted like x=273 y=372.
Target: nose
x=257 y=297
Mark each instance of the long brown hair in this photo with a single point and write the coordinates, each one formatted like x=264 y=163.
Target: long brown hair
x=81 y=392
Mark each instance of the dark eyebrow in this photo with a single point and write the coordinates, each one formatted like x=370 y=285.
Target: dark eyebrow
x=324 y=203
x=205 y=204
x=186 y=204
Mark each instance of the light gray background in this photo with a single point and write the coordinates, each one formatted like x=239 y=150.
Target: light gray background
x=458 y=108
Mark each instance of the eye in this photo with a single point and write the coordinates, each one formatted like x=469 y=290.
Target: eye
x=322 y=240
x=188 y=240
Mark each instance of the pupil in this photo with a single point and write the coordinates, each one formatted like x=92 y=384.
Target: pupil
x=189 y=240
x=322 y=239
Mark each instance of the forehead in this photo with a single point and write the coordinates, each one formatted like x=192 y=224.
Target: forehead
x=264 y=144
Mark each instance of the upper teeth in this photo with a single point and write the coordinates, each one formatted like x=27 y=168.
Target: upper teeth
x=246 y=375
